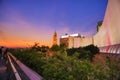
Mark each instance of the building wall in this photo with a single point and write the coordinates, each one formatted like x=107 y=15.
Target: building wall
x=86 y=41
x=109 y=33
x=77 y=42
x=64 y=41
x=71 y=42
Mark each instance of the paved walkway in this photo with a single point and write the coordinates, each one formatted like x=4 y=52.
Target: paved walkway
x=3 y=70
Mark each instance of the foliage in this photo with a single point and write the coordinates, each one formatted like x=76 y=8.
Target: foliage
x=71 y=51
x=73 y=64
x=99 y=25
x=60 y=67
x=31 y=58
x=36 y=47
x=63 y=46
x=55 y=48
x=108 y=71
x=113 y=68
x=87 y=52
x=93 y=51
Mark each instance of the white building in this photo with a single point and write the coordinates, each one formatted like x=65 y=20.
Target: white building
x=75 y=40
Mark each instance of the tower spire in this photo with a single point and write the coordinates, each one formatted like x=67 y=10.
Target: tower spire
x=55 y=38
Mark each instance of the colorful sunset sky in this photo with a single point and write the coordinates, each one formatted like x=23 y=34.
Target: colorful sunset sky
x=24 y=22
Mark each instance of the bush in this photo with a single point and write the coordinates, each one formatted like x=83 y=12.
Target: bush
x=87 y=52
x=60 y=67
x=74 y=66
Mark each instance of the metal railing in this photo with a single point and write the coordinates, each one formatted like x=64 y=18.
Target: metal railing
x=21 y=71
x=114 y=49
x=17 y=76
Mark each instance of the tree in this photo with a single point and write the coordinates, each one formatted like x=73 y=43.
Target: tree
x=61 y=67
x=63 y=46
x=74 y=66
x=55 y=48
x=87 y=52
x=99 y=25
x=93 y=50
x=44 y=49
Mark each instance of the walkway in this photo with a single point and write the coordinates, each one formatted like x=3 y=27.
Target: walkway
x=13 y=69
x=3 y=70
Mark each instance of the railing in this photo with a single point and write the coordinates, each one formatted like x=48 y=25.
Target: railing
x=115 y=49
x=21 y=71
x=14 y=69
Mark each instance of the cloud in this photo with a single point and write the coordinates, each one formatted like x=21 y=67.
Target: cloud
x=18 y=30
x=1 y=33
x=27 y=33
x=63 y=30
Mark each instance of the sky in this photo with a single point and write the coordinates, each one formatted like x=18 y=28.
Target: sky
x=24 y=22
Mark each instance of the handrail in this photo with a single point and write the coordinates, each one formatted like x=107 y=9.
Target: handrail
x=32 y=75
x=14 y=69
x=114 y=49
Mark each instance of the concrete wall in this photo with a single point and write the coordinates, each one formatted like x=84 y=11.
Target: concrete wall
x=71 y=42
x=85 y=41
x=109 y=33
x=79 y=42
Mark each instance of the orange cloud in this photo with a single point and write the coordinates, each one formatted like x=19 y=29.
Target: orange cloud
x=19 y=32
x=24 y=35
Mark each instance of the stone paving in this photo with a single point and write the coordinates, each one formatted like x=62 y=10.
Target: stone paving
x=3 y=70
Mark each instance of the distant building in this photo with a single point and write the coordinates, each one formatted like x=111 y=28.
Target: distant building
x=75 y=40
x=55 y=38
x=64 y=40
